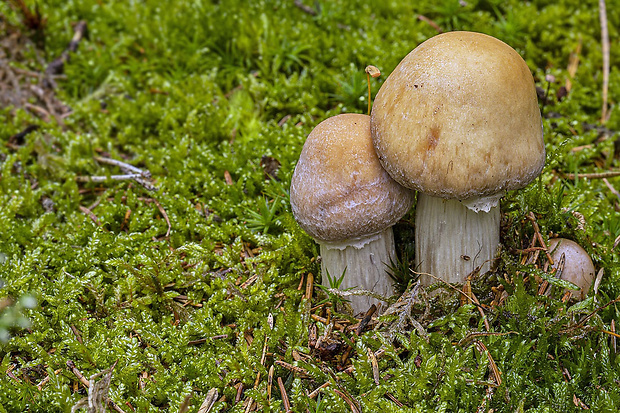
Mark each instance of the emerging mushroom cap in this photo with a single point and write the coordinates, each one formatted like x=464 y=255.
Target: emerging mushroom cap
x=578 y=266
x=339 y=190
x=459 y=118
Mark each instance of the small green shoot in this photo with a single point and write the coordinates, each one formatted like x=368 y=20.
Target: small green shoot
x=265 y=218
x=334 y=284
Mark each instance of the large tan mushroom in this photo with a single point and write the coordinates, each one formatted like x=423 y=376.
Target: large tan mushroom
x=458 y=121
x=347 y=202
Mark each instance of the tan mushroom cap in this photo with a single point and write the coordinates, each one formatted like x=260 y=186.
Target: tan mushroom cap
x=339 y=190
x=459 y=118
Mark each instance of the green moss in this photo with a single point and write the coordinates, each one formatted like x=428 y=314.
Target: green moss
x=178 y=284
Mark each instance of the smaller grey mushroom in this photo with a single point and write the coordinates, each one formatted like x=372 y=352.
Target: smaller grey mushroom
x=578 y=266
x=345 y=200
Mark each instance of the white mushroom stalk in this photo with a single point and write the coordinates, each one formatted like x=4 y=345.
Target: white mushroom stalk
x=363 y=264
x=452 y=240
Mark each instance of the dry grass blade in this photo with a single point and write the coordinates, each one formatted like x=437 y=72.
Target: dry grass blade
x=184 y=408
x=97 y=390
x=375 y=366
x=611 y=188
x=209 y=401
x=602 y=8
x=573 y=64
x=585 y=319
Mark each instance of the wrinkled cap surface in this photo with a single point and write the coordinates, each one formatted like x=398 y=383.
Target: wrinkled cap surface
x=339 y=190
x=459 y=118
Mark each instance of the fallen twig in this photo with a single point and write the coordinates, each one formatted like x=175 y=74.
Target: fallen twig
x=71 y=365
x=349 y=400
x=611 y=188
x=163 y=213
x=297 y=370
x=602 y=8
x=57 y=66
x=125 y=167
x=593 y=175
x=430 y=23
x=209 y=401
x=306 y=9
x=90 y=215
x=97 y=178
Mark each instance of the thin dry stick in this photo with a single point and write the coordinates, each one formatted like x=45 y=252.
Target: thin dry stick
x=585 y=319
x=611 y=188
x=318 y=390
x=594 y=175
x=46 y=380
x=348 y=399
x=611 y=333
x=430 y=23
x=451 y=286
x=86 y=383
x=101 y=178
x=90 y=215
x=605 y=49
x=573 y=64
x=297 y=370
x=163 y=213
x=306 y=9
x=375 y=366
x=124 y=166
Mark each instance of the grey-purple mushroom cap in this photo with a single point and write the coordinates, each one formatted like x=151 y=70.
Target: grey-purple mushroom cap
x=459 y=118
x=339 y=190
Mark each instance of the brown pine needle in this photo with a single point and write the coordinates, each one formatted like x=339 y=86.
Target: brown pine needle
x=611 y=333
x=287 y=404
x=316 y=391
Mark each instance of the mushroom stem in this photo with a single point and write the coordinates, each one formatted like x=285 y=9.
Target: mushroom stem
x=364 y=263
x=452 y=240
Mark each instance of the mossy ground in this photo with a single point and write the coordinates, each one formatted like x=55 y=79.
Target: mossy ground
x=200 y=283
